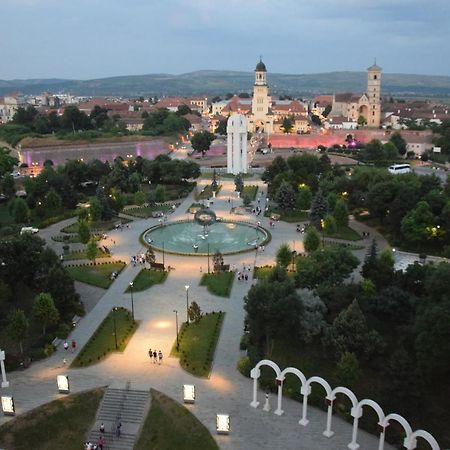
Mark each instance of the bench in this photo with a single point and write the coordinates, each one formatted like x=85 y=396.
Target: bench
x=157 y=266
x=56 y=342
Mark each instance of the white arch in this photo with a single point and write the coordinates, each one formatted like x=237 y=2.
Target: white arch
x=424 y=435
x=401 y=420
x=374 y=405
x=347 y=392
x=322 y=382
x=255 y=373
x=268 y=362
x=296 y=372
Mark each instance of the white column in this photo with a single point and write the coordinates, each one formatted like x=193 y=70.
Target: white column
x=356 y=415
x=255 y=373
x=328 y=433
x=279 y=411
x=382 y=437
x=5 y=382
x=305 y=391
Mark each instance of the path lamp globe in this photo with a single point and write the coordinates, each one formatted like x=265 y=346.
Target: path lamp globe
x=187 y=303
x=132 y=302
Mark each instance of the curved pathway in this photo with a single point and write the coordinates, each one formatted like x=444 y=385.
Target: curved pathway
x=226 y=391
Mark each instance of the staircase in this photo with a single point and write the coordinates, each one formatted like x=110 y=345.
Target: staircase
x=127 y=407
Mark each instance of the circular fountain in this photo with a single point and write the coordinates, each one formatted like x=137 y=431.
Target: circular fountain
x=206 y=234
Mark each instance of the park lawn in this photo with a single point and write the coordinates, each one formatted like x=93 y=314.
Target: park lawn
x=97 y=275
x=102 y=225
x=250 y=192
x=219 y=283
x=102 y=342
x=289 y=216
x=63 y=423
x=197 y=343
x=207 y=192
x=346 y=233
x=82 y=255
x=170 y=425
x=146 y=278
x=146 y=211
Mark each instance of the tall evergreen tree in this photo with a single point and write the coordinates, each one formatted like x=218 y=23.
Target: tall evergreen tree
x=319 y=209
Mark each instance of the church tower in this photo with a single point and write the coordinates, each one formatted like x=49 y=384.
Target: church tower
x=261 y=99
x=374 y=95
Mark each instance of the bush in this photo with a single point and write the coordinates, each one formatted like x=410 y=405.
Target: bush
x=63 y=331
x=49 y=349
x=244 y=366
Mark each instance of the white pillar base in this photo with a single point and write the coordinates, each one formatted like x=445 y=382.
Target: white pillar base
x=279 y=412
x=254 y=404
x=328 y=434
x=5 y=384
x=352 y=446
x=303 y=422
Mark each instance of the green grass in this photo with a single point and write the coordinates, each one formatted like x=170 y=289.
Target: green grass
x=69 y=238
x=103 y=225
x=250 y=192
x=146 y=278
x=82 y=255
x=102 y=342
x=197 y=343
x=207 y=192
x=97 y=275
x=146 y=211
x=170 y=426
x=288 y=216
x=218 y=283
x=346 y=233
x=63 y=423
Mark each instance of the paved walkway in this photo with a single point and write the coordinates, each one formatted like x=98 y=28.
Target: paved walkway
x=226 y=391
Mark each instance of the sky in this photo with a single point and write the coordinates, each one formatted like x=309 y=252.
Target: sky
x=85 y=39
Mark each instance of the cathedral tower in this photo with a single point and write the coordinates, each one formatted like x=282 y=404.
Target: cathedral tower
x=261 y=100
x=374 y=95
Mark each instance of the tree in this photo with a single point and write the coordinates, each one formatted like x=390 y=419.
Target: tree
x=140 y=197
x=312 y=240
x=285 y=196
x=390 y=151
x=194 y=312
x=7 y=162
x=287 y=124
x=304 y=198
x=340 y=213
x=399 y=142
x=217 y=261
x=183 y=109
x=329 y=225
x=20 y=210
x=18 y=327
x=362 y=121
x=107 y=212
x=417 y=225
x=95 y=209
x=52 y=200
x=315 y=119
x=238 y=183
x=73 y=119
x=371 y=260
x=99 y=116
x=221 y=127
x=44 y=311
x=201 y=141
x=284 y=255
x=84 y=232
x=347 y=371
x=8 y=186
x=319 y=209
x=91 y=250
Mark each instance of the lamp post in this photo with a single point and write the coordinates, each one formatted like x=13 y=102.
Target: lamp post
x=163 y=255
x=132 y=302
x=322 y=226
x=176 y=324
x=115 y=325
x=187 y=302
x=208 y=257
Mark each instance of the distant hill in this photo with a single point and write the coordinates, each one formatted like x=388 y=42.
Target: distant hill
x=215 y=82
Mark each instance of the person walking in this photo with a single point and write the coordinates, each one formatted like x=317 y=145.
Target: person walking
x=100 y=442
x=102 y=428
x=74 y=346
x=150 y=353
x=155 y=357
x=66 y=345
x=160 y=357
x=118 y=427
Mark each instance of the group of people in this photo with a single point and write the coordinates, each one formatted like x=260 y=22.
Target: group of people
x=97 y=446
x=155 y=356
x=257 y=210
x=138 y=259
x=72 y=346
x=300 y=228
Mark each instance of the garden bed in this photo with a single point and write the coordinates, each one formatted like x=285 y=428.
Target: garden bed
x=96 y=274
x=219 y=283
x=146 y=278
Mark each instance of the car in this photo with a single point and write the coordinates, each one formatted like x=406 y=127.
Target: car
x=263 y=151
x=30 y=230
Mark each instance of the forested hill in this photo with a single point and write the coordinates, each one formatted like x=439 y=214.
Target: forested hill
x=214 y=82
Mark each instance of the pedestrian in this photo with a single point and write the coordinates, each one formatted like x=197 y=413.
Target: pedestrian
x=100 y=442
x=102 y=428
x=66 y=345
x=246 y=277
x=160 y=357
x=155 y=357
x=150 y=353
x=118 y=427
x=64 y=361
x=74 y=346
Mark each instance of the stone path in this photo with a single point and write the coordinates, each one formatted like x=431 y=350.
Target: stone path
x=226 y=391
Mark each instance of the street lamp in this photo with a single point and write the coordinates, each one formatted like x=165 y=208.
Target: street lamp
x=132 y=303
x=208 y=257
x=176 y=324
x=115 y=325
x=187 y=302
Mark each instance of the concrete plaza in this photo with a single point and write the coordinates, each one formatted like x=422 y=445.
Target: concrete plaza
x=226 y=391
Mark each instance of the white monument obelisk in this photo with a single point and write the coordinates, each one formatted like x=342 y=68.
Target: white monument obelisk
x=237 y=144
x=5 y=383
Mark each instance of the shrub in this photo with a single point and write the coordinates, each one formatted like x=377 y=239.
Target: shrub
x=244 y=366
